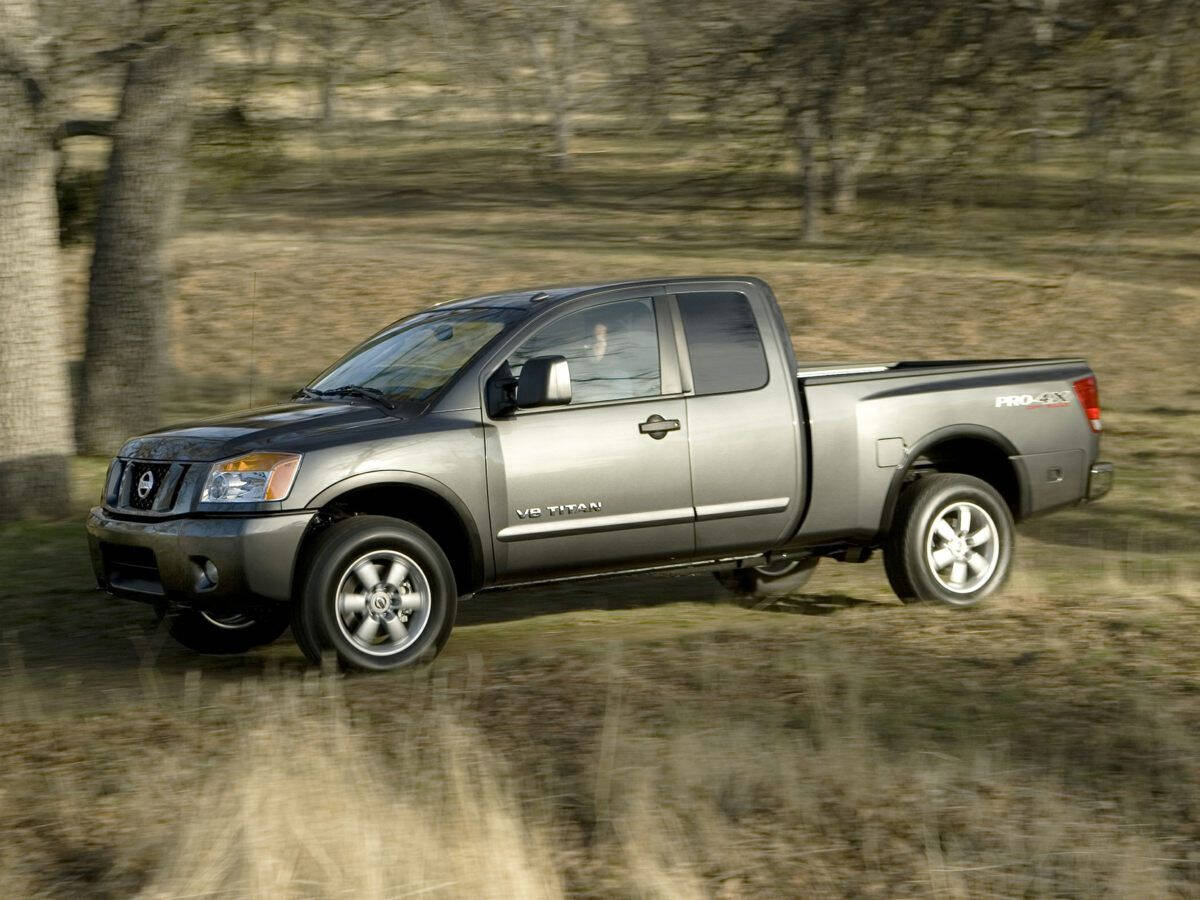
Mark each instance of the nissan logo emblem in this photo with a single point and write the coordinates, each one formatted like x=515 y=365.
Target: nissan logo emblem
x=145 y=485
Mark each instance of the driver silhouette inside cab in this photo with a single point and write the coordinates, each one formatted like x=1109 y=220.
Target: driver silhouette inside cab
x=617 y=358
x=612 y=351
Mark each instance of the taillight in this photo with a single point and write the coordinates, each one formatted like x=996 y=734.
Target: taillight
x=1089 y=398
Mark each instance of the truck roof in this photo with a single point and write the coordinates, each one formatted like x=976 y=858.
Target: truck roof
x=531 y=297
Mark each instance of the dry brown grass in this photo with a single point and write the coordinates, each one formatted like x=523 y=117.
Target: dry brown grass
x=754 y=762
x=305 y=807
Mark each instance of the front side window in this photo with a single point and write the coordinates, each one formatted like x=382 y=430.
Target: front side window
x=612 y=351
x=414 y=359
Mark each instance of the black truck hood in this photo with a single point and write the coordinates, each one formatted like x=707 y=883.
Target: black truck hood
x=273 y=427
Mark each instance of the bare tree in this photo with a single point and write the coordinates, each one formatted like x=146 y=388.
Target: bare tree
x=35 y=408
x=841 y=84
x=258 y=38
x=128 y=291
x=553 y=34
x=535 y=51
x=337 y=32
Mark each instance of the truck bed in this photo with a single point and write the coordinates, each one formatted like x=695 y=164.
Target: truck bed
x=867 y=421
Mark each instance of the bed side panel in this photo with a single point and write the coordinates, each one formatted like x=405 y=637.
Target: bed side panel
x=866 y=430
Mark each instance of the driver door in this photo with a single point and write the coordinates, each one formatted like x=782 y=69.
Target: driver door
x=604 y=480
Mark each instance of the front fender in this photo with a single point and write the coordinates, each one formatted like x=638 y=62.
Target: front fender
x=480 y=557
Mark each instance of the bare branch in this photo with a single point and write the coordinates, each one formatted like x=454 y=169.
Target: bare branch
x=12 y=64
x=83 y=128
x=126 y=52
x=1046 y=132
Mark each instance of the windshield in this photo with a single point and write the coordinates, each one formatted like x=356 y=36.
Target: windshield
x=414 y=359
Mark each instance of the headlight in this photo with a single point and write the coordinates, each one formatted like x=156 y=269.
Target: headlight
x=251 y=478
x=112 y=481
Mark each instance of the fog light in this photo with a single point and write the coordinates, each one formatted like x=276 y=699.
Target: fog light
x=206 y=573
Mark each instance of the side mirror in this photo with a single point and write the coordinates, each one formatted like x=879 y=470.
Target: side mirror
x=544 y=381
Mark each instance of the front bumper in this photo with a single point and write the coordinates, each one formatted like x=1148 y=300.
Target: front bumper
x=173 y=560
x=1100 y=479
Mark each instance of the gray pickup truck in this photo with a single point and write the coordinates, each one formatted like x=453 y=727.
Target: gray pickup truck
x=541 y=435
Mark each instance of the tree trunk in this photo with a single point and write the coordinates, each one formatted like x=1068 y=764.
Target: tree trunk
x=555 y=66
x=329 y=76
x=245 y=77
x=843 y=186
x=562 y=139
x=651 y=82
x=328 y=94
x=1043 y=38
x=35 y=402
x=564 y=103
x=845 y=167
x=128 y=293
x=805 y=131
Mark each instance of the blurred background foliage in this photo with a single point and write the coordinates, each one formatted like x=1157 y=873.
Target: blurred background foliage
x=796 y=125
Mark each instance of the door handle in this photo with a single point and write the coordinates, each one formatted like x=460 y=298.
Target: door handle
x=657 y=427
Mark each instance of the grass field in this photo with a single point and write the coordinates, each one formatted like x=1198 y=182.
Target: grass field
x=643 y=736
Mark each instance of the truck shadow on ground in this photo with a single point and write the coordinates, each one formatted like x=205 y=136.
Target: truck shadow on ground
x=818 y=604
x=109 y=638
x=629 y=592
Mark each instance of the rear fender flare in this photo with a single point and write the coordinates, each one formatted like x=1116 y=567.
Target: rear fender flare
x=950 y=432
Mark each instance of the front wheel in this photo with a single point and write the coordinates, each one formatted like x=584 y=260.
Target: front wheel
x=951 y=541
x=380 y=594
x=230 y=632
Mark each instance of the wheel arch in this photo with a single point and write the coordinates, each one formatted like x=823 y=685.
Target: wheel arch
x=964 y=449
x=425 y=502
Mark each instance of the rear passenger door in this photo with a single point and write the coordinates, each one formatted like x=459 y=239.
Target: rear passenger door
x=743 y=420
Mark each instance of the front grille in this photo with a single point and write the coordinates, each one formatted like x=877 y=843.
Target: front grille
x=143 y=490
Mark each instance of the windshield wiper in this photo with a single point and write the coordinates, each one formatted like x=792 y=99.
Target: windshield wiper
x=350 y=390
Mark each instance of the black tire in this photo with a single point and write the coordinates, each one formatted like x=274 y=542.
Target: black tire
x=423 y=601
x=227 y=633
x=760 y=586
x=923 y=563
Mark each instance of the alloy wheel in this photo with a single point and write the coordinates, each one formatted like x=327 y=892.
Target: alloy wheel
x=383 y=602
x=962 y=547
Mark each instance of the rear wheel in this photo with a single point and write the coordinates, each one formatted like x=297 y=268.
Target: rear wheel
x=951 y=541
x=380 y=594
x=230 y=632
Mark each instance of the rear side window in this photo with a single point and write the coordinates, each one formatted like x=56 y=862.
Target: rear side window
x=723 y=342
